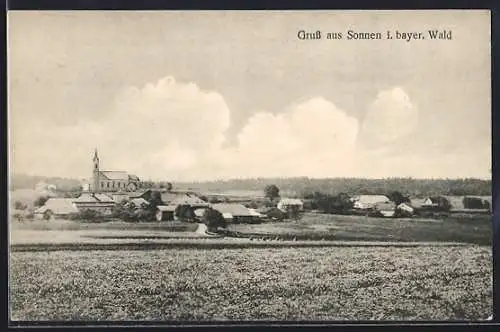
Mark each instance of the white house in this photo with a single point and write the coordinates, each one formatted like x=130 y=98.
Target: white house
x=286 y=203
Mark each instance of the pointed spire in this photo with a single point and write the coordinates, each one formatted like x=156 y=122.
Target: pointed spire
x=95 y=155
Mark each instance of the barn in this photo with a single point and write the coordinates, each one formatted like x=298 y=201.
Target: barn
x=56 y=207
x=96 y=202
x=287 y=203
x=236 y=213
x=367 y=202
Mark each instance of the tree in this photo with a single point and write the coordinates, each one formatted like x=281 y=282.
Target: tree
x=272 y=192
x=342 y=203
x=40 y=201
x=213 y=219
x=169 y=186
x=155 y=199
x=184 y=212
x=397 y=198
x=18 y=205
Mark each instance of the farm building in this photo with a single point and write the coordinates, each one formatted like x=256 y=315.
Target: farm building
x=287 y=203
x=469 y=203
x=478 y=202
x=165 y=212
x=458 y=203
x=437 y=203
x=96 y=202
x=235 y=213
x=366 y=202
x=56 y=207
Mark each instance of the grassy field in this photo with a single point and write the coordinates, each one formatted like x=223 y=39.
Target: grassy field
x=427 y=283
x=475 y=229
x=69 y=225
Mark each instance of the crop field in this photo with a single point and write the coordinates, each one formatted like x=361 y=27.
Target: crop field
x=420 y=283
x=474 y=229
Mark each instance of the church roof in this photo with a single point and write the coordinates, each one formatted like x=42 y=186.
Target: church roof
x=118 y=176
x=114 y=175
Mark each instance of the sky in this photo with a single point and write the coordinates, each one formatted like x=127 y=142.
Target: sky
x=184 y=96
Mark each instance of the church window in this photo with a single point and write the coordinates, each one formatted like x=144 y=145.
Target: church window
x=102 y=184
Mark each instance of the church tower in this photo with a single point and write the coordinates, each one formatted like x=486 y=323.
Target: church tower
x=95 y=174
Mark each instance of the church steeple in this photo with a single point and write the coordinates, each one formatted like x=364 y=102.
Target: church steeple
x=95 y=173
x=96 y=160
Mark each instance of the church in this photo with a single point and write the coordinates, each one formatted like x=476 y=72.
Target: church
x=112 y=181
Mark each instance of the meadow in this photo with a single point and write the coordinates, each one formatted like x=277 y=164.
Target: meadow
x=343 y=283
x=474 y=229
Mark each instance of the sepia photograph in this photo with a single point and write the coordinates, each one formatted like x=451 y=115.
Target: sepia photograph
x=245 y=166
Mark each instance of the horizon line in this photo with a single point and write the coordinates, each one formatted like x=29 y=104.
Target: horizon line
x=275 y=178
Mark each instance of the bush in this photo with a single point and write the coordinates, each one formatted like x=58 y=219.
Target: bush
x=18 y=205
x=87 y=215
x=213 y=219
x=40 y=201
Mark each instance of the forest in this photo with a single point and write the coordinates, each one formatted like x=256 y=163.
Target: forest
x=302 y=186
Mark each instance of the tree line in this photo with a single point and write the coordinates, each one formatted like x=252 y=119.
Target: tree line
x=302 y=187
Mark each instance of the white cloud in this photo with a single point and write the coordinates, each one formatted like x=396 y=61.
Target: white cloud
x=390 y=117
x=158 y=131
x=313 y=138
x=173 y=130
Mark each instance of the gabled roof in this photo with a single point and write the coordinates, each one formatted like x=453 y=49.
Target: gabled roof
x=371 y=199
x=139 y=201
x=93 y=198
x=189 y=200
x=236 y=210
x=58 y=206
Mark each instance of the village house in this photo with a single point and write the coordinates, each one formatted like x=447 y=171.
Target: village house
x=371 y=203
x=56 y=207
x=285 y=204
